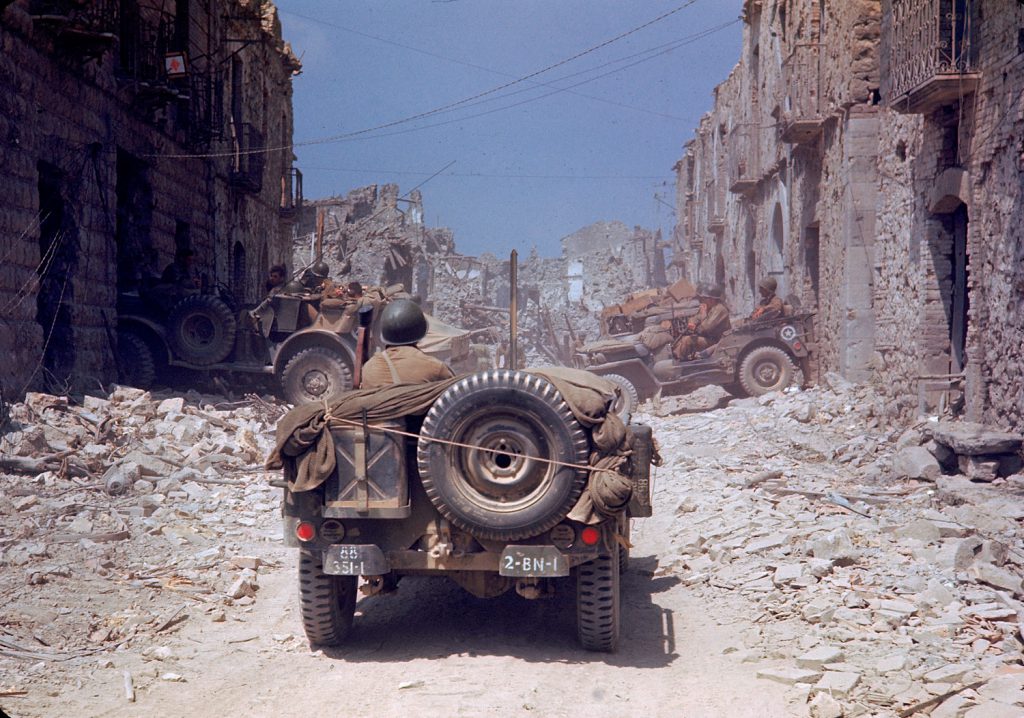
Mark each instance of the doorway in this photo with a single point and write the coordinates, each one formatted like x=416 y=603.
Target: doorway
x=58 y=250
x=958 y=299
x=137 y=263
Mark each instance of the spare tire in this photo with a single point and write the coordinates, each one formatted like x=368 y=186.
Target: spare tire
x=499 y=491
x=628 y=399
x=315 y=375
x=202 y=329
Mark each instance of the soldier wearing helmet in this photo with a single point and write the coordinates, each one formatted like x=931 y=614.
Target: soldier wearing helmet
x=402 y=326
x=707 y=327
x=770 y=306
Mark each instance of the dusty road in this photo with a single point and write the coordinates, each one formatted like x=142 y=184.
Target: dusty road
x=753 y=591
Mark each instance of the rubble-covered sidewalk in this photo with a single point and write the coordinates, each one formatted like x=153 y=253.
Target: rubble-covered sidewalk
x=147 y=512
x=869 y=593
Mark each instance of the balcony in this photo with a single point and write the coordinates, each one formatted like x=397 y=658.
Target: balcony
x=205 y=109
x=291 y=193
x=744 y=157
x=803 y=118
x=147 y=35
x=932 y=62
x=247 y=157
x=86 y=29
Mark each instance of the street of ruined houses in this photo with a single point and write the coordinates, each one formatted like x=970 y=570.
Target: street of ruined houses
x=268 y=455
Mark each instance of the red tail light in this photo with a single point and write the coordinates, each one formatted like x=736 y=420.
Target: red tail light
x=590 y=536
x=305 y=531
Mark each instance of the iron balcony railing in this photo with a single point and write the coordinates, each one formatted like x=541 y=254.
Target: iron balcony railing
x=804 y=111
x=247 y=157
x=291 y=192
x=206 y=109
x=89 y=27
x=930 y=45
x=744 y=149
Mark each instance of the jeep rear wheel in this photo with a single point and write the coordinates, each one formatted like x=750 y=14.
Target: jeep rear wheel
x=597 y=602
x=202 y=329
x=328 y=603
x=500 y=489
x=135 y=360
x=766 y=369
x=314 y=375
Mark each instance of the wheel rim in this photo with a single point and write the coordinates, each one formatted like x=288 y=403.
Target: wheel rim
x=316 y=383
x=767 y=373
x=198 y=331
x=501 y=475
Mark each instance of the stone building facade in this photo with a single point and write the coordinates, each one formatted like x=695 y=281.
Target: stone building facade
x=867 y=155
x=128 y=131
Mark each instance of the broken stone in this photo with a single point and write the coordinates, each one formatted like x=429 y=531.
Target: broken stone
x=23 y=503
x=818 y=657
x=916 y=462
x=892 y=662
x=1008 y=689
x=825 y=706
x=837 y=683
x=173 y=405
x=819 y=610
x=973 y=439
x=241 y=588
x=978 y=468
x=787 y=573
x=249 y=562
x=789 y=676
x=920 y=530
x=950 y=673
x=766 y=543
x=836 y=546
x=998 y=577
x=992 y=709
x=150 y=465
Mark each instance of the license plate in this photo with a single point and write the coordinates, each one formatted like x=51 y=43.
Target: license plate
x=355 y=560
x=529 y=561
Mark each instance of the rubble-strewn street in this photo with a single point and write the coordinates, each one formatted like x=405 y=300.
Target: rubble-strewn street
x=787 y=571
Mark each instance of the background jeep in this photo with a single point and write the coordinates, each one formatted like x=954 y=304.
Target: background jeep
x=491 y=518
x=751 y=360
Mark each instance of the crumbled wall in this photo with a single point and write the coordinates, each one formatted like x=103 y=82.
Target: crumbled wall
x=866 y=200
x=69 y=121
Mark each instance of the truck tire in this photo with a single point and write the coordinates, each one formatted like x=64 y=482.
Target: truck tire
x=315 y=374
x=597 y=603
x=202 y=329
x=625 y=529
x=135 y=360
x=327 y=603
x=629 y=398
x=498 y=492
x=766 y=369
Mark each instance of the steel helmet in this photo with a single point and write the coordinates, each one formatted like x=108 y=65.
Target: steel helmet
x=715 y=291
x=320 y=270
x=768 y=284
x=293 y=287
x=402 y=323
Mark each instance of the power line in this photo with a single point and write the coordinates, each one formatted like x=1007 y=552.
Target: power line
x=483 y=175
x=450 y=105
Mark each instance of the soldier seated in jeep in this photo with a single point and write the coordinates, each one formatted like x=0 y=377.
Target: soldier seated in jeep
x=402 y=326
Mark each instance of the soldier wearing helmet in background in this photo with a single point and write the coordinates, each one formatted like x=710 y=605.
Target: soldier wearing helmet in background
x=316 y=278
x=770 y=306
x=402 y=326
x=707 y=327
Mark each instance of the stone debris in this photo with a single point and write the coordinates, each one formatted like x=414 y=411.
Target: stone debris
x=146 y=531
x=909 y=606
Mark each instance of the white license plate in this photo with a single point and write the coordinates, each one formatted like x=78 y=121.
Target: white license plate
x=355 y=560
x=531 y=561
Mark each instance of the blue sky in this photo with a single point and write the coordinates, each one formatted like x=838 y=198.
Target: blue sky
x=528 y=168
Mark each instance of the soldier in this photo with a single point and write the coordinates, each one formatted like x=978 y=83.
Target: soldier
x=656 y=336
x=402 y=326
x=770 y=306
x=316 y=278
x=179 y=272
x=276 y=277
x=706 y=328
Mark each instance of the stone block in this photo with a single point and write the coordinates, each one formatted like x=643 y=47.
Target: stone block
x=837 y=683
x=978 y=468
x=787 y=574
x=818 y=657
x=825 y=706
x=949 y=673
x=994 y=709
x=766 y=543
x=916 y=462
x=150 y=465
x=920 y=530
x=836 y=546
x=966 y=438
x=789 y=676
x=168 y=406
x=997 y=577
x=892 y=662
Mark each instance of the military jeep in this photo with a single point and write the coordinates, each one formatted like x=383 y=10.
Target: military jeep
x=484 y=488
x=306 y=345
x=750 y=360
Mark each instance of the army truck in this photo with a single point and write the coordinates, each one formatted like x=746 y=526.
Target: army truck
x=750 y=360
x=488 y=486
x=307 y=346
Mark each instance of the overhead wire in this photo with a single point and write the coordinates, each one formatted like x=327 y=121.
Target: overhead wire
x=442 y=108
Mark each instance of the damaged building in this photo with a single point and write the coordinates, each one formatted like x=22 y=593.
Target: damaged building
x=129 y=132
x=867 y=155
x=376 y=236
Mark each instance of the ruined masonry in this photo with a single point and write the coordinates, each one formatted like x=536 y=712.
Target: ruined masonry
x=867 y=154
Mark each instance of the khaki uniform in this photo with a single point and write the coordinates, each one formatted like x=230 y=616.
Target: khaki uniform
x=769 y=308
x=708 y=327
x=403 y=365
x=655 y=337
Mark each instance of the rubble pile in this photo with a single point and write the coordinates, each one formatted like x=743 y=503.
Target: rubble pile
x=121 y=518
x=869 y=593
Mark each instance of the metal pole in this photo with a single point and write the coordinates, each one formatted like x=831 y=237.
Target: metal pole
x=513 y=310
